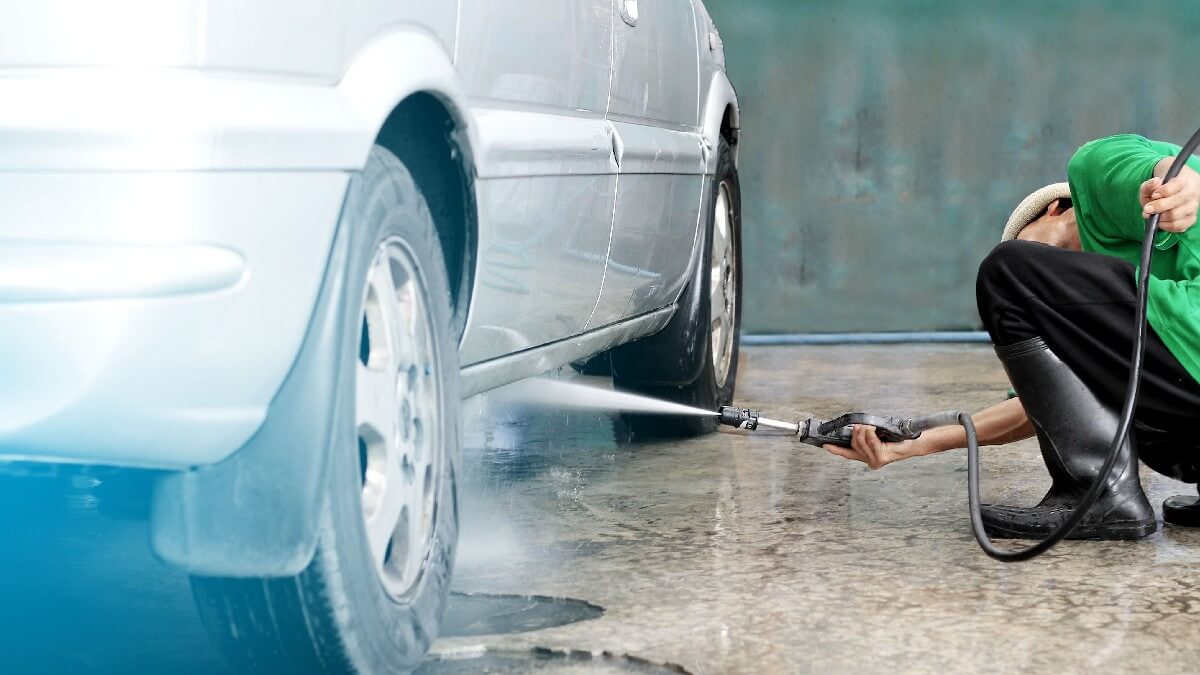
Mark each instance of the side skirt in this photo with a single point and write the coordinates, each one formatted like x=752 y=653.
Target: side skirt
x=480 y=377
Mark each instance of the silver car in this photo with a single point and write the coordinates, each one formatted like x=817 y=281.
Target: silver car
x=267 y=248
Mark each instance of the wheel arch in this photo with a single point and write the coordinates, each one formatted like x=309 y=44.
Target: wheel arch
x=429 y=138
x=421 y=115
x=722 y=118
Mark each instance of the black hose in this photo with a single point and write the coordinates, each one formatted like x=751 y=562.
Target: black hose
x=1131 y=398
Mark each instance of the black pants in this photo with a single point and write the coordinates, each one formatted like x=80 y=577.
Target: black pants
x=1083 y=305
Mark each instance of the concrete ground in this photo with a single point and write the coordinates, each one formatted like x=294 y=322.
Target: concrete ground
x=736 y=553
x=587 y=549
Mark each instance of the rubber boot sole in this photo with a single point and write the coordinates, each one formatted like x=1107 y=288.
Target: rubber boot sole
x=1121 y=531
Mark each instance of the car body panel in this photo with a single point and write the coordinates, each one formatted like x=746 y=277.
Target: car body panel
x=197 y=135
x=536 y=54
x=186 y=120
x=721 y=100
x=656 y=71
x=655 y=225
x=541 y=260
x=654 y=113
x=178 y=380
x=214 y=35
x=149 y=366
x=560 y=145
x=545 y=166
x=652 y=248
x=481 y=377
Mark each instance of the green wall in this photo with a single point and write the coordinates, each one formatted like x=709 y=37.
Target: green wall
x=885 y=143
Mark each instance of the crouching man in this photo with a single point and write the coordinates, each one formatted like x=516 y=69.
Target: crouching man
x=1058 y=297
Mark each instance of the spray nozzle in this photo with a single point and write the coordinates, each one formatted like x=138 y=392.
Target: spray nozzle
x=745 y=418
x=742 y=418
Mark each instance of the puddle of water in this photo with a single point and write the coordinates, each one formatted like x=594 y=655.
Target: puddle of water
x=474 y=614
x=541 y=660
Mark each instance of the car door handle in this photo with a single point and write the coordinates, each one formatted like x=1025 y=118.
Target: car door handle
x=629 y=12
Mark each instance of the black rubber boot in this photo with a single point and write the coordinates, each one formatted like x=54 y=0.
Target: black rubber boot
x=1182 y=510
x=1173 y=454
x=1074 y=431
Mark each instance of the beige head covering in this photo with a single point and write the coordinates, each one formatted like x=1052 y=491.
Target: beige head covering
x=1032 y=207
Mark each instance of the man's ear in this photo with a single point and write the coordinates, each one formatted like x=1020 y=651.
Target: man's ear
x=1055 y=208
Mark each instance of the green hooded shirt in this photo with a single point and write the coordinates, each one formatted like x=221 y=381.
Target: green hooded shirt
x=1105 y=177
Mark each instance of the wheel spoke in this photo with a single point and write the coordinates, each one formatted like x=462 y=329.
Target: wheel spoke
x=717 y=302
x=410 y=335
x=721 y=222
x=375 y=399
x=717 y=270
x=384 y=286
x=381 y=524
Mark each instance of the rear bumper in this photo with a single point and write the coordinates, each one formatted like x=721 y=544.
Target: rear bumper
x=149 y=318
x=163 y=234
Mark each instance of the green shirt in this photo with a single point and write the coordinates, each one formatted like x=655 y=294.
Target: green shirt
x=1105 y=176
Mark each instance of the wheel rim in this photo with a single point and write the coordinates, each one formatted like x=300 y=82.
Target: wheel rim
x=396 y=414
x=723 y=287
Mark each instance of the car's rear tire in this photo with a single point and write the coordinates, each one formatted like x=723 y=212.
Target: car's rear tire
x=372 y=597
x=694 y=359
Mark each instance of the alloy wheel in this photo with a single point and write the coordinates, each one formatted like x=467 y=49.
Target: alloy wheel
x=396 y=417
x=723 y=286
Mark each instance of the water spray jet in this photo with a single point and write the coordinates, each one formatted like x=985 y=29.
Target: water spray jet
x=550 y=393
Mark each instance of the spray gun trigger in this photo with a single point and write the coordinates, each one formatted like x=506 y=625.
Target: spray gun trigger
x=890 y=429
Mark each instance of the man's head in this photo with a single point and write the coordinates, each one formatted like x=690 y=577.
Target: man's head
x=1045 y=216
x=1056 y=226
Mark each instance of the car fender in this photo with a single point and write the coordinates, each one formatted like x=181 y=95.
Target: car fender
x=721 y=97
x=373 y=85
x=255 y=513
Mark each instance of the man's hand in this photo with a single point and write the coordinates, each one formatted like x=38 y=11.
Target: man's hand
x=868 y=449
x=1177 y=201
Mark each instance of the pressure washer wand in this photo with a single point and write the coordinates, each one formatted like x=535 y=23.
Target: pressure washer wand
x=839 y=430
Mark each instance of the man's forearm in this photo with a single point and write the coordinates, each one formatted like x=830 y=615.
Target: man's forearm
x=1002 y=423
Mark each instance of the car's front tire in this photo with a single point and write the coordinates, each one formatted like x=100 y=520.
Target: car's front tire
x=694 y=359
x=372 y=597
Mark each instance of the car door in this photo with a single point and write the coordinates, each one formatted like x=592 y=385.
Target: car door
x=537 y=74
x=653 y=108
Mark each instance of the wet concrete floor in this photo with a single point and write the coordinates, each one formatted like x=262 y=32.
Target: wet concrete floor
x=587 y=548
x=735 y=553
